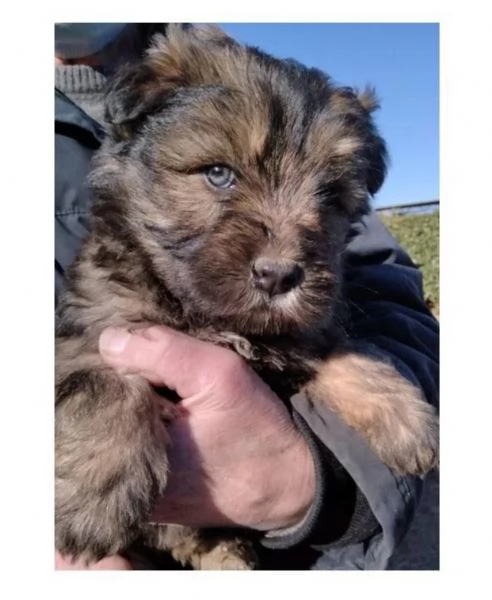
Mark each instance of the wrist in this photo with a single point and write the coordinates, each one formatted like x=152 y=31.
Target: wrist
x=288 y=489
x=293 y=534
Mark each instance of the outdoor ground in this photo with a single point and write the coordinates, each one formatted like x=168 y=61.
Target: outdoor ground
x=419 y=235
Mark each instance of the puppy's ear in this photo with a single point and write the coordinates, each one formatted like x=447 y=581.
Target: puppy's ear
x=172 y=61
x=377 y=158
x=131 y=96
x=376 y=150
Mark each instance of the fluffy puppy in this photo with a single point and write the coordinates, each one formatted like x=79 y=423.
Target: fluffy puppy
x=222 y=198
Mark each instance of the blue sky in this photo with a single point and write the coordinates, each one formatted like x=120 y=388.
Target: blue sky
x=401 y=61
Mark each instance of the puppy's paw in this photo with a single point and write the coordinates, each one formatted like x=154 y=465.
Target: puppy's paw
x=228 y=555
x=384 y=407
x=409 y=440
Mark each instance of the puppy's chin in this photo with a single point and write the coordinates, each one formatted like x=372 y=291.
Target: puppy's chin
x=261 y=315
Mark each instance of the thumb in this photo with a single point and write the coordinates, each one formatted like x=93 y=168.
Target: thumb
x=164 y=357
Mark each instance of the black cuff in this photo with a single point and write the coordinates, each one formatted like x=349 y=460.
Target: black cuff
x=339 y=514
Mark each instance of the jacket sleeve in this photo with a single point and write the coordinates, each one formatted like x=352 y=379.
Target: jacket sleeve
x=76 y=139
x=362 y=509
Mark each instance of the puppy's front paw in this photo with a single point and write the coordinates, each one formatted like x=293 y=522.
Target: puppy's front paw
x=409 y=441
x=383 y=406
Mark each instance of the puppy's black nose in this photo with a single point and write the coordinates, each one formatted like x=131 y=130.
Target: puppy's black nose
x=276 y=276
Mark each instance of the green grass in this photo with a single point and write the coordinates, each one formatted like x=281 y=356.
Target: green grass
x=419 y=235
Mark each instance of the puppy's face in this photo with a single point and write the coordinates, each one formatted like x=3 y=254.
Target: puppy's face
x=239 y=176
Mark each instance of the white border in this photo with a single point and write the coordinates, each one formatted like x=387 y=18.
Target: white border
x=27 y=288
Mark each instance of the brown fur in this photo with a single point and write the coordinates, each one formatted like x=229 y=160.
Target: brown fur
x=166 y=247
x=375 y=400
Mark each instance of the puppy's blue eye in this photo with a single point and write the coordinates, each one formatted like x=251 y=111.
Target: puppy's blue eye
x=221 y=177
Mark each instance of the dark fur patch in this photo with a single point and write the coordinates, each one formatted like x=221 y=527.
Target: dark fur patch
x=73 y=384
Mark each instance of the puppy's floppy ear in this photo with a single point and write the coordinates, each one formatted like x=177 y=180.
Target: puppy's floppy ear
x=376 y=150
x=172 y=61
x=131 y=95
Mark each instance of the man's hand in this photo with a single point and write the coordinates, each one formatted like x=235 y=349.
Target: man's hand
x=236 y=456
